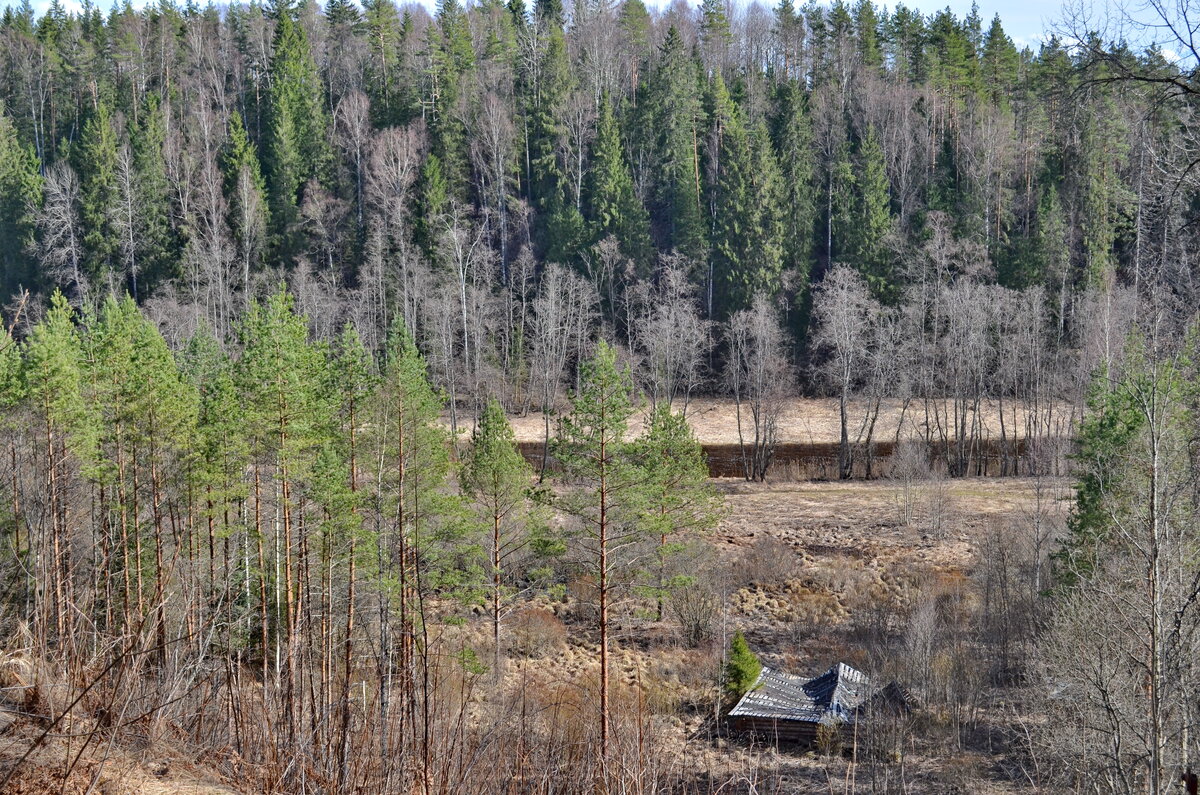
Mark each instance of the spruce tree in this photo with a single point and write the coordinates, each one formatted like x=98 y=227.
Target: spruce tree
x=453 y=59
x=841 y=223
x=297 y=128
x=747 y=245
x=158 y=252
x=874 y=219
x=743 y=668
x=1103 y=148
x=715 y=34
x=1000 y=64
x=343 y=13
x=730 y=202
x=20 y=196
x=612 y=206
x=794 y=147
x=383 y=84
x=673 y=111
x=866 y=30
x=558 y=224
x=96 y=164
x=433 y=201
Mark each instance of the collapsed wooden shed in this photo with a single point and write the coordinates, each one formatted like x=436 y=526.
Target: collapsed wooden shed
x=784 y=708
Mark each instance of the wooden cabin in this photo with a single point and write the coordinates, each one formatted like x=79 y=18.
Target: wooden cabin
x=784 y=708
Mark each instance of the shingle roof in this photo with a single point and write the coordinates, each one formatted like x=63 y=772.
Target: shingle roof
x=832 y=696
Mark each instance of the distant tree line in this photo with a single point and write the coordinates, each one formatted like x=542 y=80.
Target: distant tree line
x=515 y=182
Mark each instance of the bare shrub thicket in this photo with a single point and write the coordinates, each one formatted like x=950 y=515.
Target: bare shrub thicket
x=759 y=377
x=768 y=562
x=909 y=470
x=536 y=632
x=695 y=606
x=937 y=503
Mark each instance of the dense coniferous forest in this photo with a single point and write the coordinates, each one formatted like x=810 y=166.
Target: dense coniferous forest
x=277 y=279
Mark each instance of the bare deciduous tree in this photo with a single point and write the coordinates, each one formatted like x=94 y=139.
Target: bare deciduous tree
x=844 y=311
x=758 y=376
x=61 y=230
x=669 y=336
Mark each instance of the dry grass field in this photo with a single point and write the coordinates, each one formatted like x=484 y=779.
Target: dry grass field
x=804 y=569
x=811 y=421
x=807 y=569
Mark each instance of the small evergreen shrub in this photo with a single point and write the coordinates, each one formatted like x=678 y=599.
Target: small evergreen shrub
x=743 y=667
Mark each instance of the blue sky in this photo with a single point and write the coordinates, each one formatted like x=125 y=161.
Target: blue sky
x=1024 y=20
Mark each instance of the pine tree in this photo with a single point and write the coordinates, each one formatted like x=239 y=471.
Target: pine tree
x=145 y=417
x=221 y=456
x=281 y=376
x=54 y=383
x=497 y=478
x=634 y=22
x=412 y=451
x=354 y=380
x=605 y=497
x=953 y=65
x=12 y=396
x=679 y=500
x=612 y=206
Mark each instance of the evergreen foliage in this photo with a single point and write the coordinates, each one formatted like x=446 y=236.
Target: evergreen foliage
x=20 y=195
x=680 y=503
x=612 y=206
x=297 y=128
x=742 y=668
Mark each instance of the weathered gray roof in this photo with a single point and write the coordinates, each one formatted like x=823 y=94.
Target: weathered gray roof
x=832 y=696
